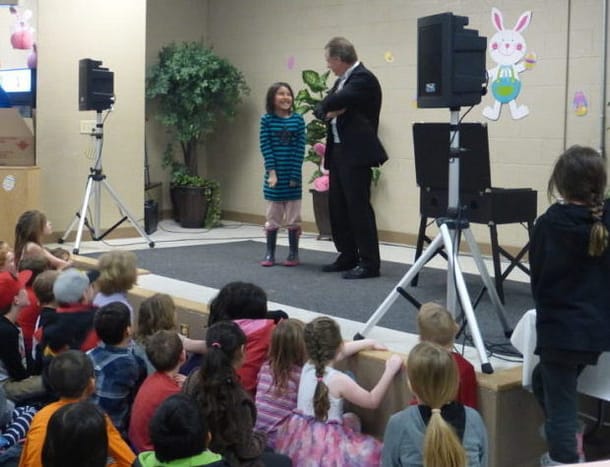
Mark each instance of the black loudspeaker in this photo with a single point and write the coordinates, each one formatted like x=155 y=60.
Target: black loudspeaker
x=450 y=62
x=95 y=85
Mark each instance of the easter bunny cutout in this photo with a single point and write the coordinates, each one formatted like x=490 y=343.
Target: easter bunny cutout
x=507 y=48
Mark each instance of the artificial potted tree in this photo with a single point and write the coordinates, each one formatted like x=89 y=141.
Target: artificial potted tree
x=194 y=90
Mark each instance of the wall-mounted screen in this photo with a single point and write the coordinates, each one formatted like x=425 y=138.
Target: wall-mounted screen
x=20 y=86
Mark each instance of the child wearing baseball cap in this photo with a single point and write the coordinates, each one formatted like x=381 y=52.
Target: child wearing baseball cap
x=17 y=383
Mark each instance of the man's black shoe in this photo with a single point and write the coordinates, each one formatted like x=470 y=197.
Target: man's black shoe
x=338 y=267
x=360 y=272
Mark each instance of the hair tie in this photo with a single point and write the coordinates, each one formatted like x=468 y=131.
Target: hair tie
x=216 y=345
x=438 y=411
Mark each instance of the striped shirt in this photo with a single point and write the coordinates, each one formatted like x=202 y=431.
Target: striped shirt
x=282 y=143
x=274 y=407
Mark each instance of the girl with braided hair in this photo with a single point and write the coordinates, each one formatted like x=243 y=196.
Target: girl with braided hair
x=319 y=433
x=438 y=432
x=225 y=404
x=570 y=274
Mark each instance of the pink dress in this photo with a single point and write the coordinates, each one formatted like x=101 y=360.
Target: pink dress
x=274 y=407
x=312 y=443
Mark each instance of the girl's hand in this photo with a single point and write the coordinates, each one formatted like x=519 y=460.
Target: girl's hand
x=378 y=346
x=272 y=179
x=179 y=379
x=394 y=364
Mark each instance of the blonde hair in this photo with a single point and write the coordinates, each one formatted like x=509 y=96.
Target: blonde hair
x=435 y=324
x=118 y=272
x=322 y=341
x=156 y=313
x=287 y=348
x=433 y=377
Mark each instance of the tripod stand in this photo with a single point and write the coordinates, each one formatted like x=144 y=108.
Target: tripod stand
x=449 y=229
x=95 y=182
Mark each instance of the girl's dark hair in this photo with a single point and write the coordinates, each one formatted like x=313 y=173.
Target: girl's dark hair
x=177 y=429
x=580 y=176
x=270 y=99
x=219 y=393
x=76 y=435
x=29 y=228
x=238 y=300
x=322 y=340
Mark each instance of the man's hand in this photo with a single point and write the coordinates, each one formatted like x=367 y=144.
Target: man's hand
x=334 y=113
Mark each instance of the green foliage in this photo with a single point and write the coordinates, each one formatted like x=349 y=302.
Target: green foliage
x=195 y=90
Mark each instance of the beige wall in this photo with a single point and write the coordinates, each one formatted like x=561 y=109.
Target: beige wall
x=259 y=36
x=112 y=31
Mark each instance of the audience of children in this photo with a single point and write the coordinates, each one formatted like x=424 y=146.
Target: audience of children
x=180 y=436
x=29 y=315
x=435 y=324
x=14 y=377
x=322 y=390
x=30 y=228
x=225 y=404
x=118 y=274
x=73 y=323
x=439 y=432
x=76 y=436
x=71 y=376
x=246 y=304
x=157 y=313
x=166 y=353
x=118 y=372
x=278 y=379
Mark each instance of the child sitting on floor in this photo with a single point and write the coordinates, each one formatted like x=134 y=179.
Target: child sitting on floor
x=118 y=274
x=319 y=433
x=436 y=433
x=435 y=324
x=278 y=380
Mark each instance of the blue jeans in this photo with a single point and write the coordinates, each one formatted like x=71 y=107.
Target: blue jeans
x=554 y=385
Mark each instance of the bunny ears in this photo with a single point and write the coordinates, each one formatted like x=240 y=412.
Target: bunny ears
x=498 y=21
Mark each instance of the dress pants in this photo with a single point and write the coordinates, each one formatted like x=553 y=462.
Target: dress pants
x=352 y=218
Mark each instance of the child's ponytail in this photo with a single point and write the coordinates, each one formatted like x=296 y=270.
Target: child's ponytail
x=442 y=448
x=323 y=340
x=598 y=238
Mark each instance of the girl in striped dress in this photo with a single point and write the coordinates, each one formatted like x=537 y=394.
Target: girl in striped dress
x=282 y=143
x=278 y=379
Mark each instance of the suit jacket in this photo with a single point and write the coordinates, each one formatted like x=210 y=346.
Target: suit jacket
x=357 y=126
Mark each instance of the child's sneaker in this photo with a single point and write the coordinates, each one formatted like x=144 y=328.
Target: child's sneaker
x=545 y=460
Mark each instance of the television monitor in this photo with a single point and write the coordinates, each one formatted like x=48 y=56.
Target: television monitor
x=20 y=86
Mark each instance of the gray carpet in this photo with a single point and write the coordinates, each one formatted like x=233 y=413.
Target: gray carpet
x=307 y=287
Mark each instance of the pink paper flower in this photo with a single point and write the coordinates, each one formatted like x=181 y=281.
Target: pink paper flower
x=320 y=149
x=321 y=183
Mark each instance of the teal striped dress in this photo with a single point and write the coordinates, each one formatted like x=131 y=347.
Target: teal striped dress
x=282 y=143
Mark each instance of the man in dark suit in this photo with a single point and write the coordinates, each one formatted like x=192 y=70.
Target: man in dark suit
x=351 y=110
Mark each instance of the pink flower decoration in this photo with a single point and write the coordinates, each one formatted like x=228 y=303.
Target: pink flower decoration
x=321 y=183
x=320 y=149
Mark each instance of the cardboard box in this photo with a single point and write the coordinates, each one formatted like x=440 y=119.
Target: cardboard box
x=16 y=140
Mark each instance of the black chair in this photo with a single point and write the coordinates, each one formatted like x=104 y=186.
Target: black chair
x=480 y=203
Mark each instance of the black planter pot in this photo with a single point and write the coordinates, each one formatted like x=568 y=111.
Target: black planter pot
x=190 y=206
x=321 y=213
